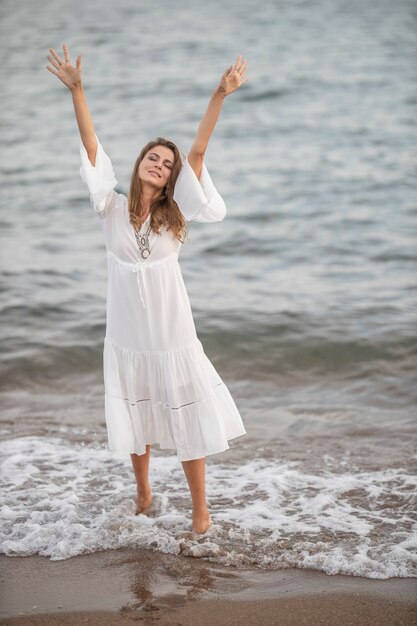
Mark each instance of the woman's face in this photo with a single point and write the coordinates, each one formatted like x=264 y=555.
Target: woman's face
x=156 y=166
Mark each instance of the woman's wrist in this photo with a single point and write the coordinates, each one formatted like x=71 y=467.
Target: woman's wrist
x=77 y=88
x=219 y=92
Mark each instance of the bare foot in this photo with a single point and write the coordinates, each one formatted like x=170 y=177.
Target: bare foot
x=201 y=522
x=143 y=501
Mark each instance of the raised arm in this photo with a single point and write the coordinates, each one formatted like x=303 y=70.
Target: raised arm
x=231 y=80
x=71 y=77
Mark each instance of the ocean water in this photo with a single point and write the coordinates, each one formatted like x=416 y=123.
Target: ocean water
x=304 y=297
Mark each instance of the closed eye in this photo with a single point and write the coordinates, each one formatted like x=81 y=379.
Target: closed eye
x=167 y=164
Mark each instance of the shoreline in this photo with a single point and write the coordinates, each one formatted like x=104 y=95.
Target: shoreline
x=126 y=586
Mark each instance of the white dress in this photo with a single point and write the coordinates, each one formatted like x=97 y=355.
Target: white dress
x=160 y=386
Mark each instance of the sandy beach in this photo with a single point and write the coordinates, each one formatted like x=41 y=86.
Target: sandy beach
x=127 y=587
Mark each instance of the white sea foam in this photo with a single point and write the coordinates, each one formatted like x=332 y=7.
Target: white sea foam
x=61 y=499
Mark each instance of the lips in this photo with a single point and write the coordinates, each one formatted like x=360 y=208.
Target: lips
x=152 y=172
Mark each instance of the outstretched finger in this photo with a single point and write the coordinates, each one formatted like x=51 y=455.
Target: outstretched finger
x=56 y=56
x=66 y=53
x=236 y=65
x=52 y=61
x=244 y=66
x=239 y=62
x=52 y=71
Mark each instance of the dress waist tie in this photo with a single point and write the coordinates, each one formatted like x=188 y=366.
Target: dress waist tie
x=140 y=268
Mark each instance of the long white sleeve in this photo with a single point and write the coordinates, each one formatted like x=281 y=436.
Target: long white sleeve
x=198 y=199
x=100 y=180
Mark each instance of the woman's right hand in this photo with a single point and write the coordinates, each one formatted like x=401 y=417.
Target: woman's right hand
x=70 y=76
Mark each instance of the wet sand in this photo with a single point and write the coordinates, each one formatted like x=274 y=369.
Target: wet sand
x=131 y=587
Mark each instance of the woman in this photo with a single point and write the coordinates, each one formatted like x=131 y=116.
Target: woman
x=160 y=387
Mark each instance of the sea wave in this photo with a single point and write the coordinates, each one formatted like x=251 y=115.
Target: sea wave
x=60 y=500
x=285 y=345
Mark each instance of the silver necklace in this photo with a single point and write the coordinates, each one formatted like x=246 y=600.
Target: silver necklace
x=143 y=241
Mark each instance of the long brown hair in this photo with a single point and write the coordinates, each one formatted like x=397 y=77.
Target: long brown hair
x=164 y=210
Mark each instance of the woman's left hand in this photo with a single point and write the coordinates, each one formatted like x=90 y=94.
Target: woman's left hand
x=234 y=77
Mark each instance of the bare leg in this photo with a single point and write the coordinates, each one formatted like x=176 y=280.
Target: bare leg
x=140 y=464
x=195 y=473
